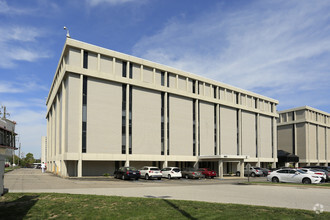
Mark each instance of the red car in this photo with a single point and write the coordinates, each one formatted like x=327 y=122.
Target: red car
x=208 y=172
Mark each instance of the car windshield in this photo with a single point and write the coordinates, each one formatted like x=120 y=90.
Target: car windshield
x=154 y=168
x=131 y=169
x=176 y=170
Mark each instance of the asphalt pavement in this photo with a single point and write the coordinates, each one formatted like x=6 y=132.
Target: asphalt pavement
x=227 y=190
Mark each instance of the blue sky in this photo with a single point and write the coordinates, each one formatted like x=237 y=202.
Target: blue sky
x=279 y=49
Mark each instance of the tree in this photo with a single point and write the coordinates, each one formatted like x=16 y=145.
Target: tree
x=28 y=160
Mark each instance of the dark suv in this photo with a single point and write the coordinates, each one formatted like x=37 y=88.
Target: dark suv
x=125 y=173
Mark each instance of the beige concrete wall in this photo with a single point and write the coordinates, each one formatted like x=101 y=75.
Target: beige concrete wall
x=172 y=80
x=228 y=131
x=104 y=103
x=146 y=127
x=300 y=115
x=207 y=90
x=206 y=129
x=301 y=140
x=190 y=85
x=106 y=64
x=312 y=142
x=72 y=132
x=285 y=138
x=74 y=57
x=148 y=75
x=265 y=137
x=92 y=61
x=98 y=168
x=136 y=71
x=321 y=142
x=182 y=83
x=119 y=68
x=158 y=78
x=181 y=126
x=248 y=134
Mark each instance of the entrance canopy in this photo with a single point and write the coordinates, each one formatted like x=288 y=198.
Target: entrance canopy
x=285 y=157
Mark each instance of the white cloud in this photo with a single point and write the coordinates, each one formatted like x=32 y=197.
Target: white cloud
x=111 y=2
x=21 y=86
x=268 y=47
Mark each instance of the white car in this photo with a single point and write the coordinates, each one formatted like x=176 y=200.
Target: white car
x=150 y=172
x=315 y=172
x=293 y=176
x=171 y=172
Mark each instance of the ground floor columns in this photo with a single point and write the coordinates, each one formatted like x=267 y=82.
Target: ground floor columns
x=220 y=168
x=79 y=168
x=241 y=163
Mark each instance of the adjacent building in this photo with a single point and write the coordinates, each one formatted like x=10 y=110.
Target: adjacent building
x=305 y=132
x=106 y=109
x=7 y=145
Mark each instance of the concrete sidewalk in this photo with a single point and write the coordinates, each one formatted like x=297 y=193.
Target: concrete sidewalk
x=30 y=180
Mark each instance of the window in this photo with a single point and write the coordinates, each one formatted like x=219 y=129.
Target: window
x=194 y=127
x=162 y=122
x=131 y=70
x=130 y=120
x=85 y=61
x=84 y=115
x=123 y=130
x=214 y=92
x=124 y=69
x=162 y=75
x=256 y=123
x=194 y=86
x=168 y=124
x=215 y=129
x=282 y=171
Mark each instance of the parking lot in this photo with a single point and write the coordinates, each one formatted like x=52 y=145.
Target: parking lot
x=228 y=190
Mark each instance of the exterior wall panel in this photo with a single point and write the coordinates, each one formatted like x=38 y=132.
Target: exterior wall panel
x=301 y=141
x=181 y=126
x=207 y=129
x=321 y=142
x=265 y=137
x=228 y=131
x=103 y=116
x=248 y=134
x=146 y=119
x=74 y=57
x=312 y=142
x=106 y=64
x=285 y=138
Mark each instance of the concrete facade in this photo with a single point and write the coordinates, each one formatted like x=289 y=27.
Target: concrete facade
x=106 y=109
x=305 y=132
x=43 y=149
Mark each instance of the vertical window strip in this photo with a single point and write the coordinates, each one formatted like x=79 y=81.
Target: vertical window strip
x=84 y=116
x=272 y=135
x=162 y=126
x=130 y=119
x=162 y=78
x=256 y=122
x=168 y=124
x=199 y=130
x=131 y=70
x=85 y=61
x=194 y=86
x=124 y=69
x=123 y=130
x=237 y=128
x=215 y=129
x=194 y=127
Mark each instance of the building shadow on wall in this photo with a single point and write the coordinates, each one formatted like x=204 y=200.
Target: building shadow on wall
x=18 y=208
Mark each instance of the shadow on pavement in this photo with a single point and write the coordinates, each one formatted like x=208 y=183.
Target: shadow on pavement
x=18 y=208
x=184 y=213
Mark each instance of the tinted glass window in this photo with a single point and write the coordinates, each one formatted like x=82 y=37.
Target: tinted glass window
x=154 y=169
x=282 y=171
x=176 y=170
x=292 y=171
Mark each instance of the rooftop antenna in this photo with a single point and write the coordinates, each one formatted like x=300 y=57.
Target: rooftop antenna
x=67 y=32
x=5 y=113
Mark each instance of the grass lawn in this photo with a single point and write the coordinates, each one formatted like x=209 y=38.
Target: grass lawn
x=64 y=206
x=7 y=169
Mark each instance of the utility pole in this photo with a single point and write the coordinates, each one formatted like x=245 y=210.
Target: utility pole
x=5 y=113
x=19 y=152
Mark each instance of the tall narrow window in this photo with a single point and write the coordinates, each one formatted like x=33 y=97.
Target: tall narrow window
x=293 y=140
x=237 y=98
x=131 y=70
x=130 y=120
x=168 y=79
x=194 y=127
x=214 y=92
x=85 y=61
x=215 y=129
x=256 y=122
x=194 y=86
x=162 y=78
x=162 y=125
x=84 y=115
x=168 y=124
x=237 y=128
x=123 y=129
x=199 y=130
x=124 y=69
x=272 y=135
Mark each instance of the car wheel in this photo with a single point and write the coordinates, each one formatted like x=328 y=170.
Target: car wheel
x=147 y=177
x=169 y=176
x=186 y=176
x=123 y=177
x=212 y=177
x=159 y=178
x=253 y=174
x=306 y=181
x=275 y=180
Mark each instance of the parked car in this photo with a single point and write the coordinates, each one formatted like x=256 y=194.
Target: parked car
x=316 y=172
x=265 y=171
x=327 y=174
x=191 y=173
x=151 y=172
x=208 y=172
x=293 y=176
x=171 y=172
x=127 y=173
x=253 y=171
x=319 y=167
